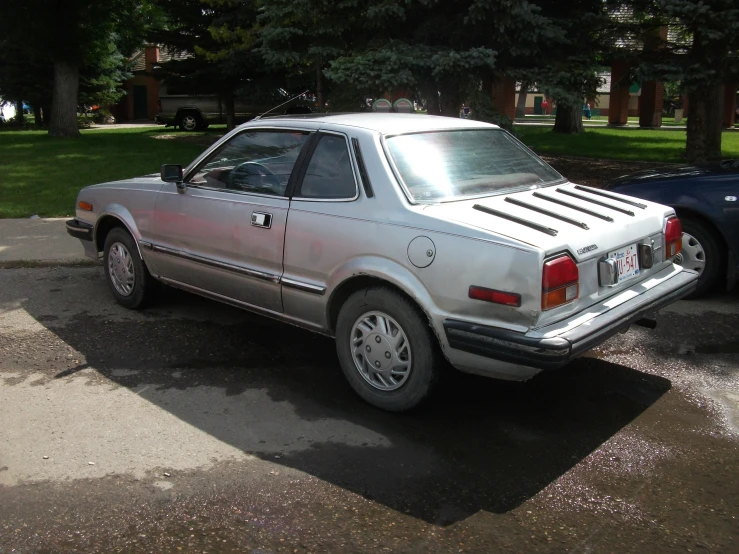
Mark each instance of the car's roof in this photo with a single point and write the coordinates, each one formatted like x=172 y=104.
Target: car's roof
x=385 y=123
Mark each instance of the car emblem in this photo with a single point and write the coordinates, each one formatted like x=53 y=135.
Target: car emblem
x=587 y=249
x=730 y=198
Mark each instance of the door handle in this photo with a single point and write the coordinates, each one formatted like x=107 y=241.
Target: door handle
x=261 y=219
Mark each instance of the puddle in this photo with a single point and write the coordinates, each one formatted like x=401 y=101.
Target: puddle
x=729 y=402
x=163 y=485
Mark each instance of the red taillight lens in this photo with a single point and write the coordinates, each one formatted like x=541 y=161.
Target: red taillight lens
x=559 y=271
x=559 y=282
x=673 y=237
x=495 y=296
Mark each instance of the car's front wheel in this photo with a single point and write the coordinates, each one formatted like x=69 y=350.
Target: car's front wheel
x=387 y=349
x=701 y=252
x=128 y=279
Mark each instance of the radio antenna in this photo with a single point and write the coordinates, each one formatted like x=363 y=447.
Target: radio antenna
x=286 y=102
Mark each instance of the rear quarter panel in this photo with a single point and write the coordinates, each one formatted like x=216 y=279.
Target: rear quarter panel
x=329 y=242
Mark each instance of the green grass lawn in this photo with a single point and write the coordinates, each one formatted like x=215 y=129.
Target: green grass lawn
x=618 y=144
x=42 y=175
x=603 y=119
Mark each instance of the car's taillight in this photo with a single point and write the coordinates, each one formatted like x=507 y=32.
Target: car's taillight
x=673 y=237
x=559 y=282
x=495 y=296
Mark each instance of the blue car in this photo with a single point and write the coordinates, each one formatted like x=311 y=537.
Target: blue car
x=706 y=199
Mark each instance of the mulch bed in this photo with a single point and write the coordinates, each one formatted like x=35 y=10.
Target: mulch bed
x=595 y=172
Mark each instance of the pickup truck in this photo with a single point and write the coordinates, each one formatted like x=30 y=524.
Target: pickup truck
x=196 y=112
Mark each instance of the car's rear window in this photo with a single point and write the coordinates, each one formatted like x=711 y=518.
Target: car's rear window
x=452 y=165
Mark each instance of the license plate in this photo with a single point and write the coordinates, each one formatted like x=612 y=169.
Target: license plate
x=627 y=259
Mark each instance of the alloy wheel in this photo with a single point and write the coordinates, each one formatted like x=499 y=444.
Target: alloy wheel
x=189 y=122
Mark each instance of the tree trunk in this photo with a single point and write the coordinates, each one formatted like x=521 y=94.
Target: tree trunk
x=488 y=79
x=64 y=101
x=319 y=88
x=521 y=106
x=450 y=100
x=704 y=125
x=37 y=114
x=229 y=105
x=19 y=119
x=431 y=95
x=46 y=114
x=568 y=119
x=714 y=120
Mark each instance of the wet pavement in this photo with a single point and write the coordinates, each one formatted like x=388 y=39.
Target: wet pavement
x=195 y=427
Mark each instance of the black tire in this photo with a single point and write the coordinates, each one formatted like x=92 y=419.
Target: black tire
x=144 y=285
x=190 y=121
x=713 y=254
x=427 y=361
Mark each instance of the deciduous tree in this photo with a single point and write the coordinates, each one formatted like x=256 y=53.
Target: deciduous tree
x=70 y=35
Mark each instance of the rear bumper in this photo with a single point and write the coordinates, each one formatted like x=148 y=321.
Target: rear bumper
x=556 y=345
x=79 y=230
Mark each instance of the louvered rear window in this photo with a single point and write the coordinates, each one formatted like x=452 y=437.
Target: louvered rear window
x=452 y=165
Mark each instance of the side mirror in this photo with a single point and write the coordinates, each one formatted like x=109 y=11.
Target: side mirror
x=171 y=173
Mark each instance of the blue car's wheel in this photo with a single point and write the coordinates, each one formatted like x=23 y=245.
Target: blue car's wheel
x=701 y=253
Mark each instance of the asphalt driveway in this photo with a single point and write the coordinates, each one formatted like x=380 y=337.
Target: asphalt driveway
x=193 y=426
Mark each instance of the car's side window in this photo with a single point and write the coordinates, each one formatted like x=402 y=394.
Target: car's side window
x=329 y=174
x=258 y=161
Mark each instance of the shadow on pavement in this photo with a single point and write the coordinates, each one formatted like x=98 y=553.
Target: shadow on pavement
x=277 y=392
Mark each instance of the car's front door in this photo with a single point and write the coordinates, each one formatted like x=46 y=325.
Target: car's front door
x=224 y=231
x=328 y=225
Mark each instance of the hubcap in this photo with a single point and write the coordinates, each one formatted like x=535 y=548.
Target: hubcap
x=189 y=122
x=692 y=256
x=381 y=351
x=120 y=269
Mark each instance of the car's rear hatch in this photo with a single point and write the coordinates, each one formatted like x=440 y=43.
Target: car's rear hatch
x=586 y=223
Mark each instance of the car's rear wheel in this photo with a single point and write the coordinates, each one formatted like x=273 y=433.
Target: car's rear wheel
x=190 y=121
x=128 y=279
x=387 y=349
x=701 y=252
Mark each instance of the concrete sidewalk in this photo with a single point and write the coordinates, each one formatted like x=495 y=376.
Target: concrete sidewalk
x=38 y=241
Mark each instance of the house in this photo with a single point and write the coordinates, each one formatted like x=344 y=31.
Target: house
x=141 y=102
x=534 y=98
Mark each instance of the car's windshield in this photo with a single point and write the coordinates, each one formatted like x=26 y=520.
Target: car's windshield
x=451 y=165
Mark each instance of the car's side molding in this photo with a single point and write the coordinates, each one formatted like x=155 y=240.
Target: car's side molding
x=305 y=287
x=249 y=272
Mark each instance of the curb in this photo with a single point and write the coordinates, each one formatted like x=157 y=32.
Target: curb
x=29 y=264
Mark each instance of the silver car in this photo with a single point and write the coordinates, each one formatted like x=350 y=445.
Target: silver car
x=415 y=241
